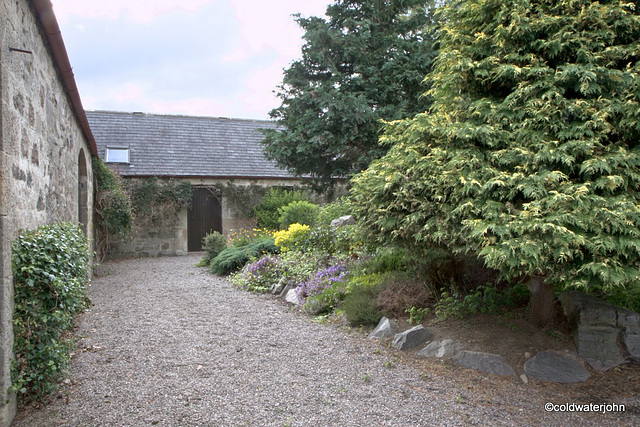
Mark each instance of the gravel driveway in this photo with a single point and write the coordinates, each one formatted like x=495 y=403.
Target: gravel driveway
x=168 y=344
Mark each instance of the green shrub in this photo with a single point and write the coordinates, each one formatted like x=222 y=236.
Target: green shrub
x=266 y=212
x=529 y=155
x=628 y=298
x=451 y=306
x=244 y=236
x=213 y=244
x=360 y=308
x=359 y=305
x=232 y=259
x=417 y=314
x=484 y=299
x=300 y=212
x=260 y=275
x=299 y=266
x=386 y=260
x=50 y=271
x=344 y=240
x=334 y=210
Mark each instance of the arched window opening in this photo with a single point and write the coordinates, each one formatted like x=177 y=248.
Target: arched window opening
x=83 y=195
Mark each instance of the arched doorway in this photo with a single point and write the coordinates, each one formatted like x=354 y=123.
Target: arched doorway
x=83 y=195
x=205 y=216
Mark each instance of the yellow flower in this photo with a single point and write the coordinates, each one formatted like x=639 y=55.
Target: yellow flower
x=288 y=239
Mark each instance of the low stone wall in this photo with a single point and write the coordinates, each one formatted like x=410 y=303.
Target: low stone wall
x=606 y=335
x=153 y=242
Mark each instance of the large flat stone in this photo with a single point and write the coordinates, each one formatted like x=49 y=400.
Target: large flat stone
x=386 y=329
x=556 y=367
x=442 y=348
x=581 y=308
x=342 y=221
x=598 y=345
x=411 y=338
x=628 y=318
x=484 y=362
x=631 y=340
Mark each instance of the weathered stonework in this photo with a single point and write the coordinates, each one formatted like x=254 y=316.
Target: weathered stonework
x=172 y=240
x=45 y=173
x=606 y=336
x=153 y=242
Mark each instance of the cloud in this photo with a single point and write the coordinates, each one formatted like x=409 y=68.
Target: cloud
x=141 y=11
x=270 y=24
x=218 y=58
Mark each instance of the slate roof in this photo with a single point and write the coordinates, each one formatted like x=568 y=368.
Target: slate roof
x=183 y=146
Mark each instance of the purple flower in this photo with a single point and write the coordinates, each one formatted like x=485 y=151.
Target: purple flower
x=322 y=281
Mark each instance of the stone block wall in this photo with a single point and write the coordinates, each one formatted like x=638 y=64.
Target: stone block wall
x=153 y=242
x=173 y=240
x=606 y=335
x=45 y=162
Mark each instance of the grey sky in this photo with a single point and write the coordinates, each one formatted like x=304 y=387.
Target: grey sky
x=220 y=58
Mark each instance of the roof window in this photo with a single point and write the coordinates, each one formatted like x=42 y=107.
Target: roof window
x=117 y=155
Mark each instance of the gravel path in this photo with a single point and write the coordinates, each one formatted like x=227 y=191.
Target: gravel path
x=168 y=344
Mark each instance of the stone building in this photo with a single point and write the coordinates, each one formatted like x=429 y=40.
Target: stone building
x=45 y=147
x=209 y=152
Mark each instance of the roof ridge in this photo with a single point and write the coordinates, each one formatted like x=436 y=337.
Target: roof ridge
x=132 y=113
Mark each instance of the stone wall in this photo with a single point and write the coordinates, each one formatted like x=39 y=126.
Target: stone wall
x=153 y=242
x=232 y=218
x=606 y=336
x=45 y=172
x=173 y=240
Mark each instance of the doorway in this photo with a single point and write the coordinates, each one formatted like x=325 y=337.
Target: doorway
x=205 y=216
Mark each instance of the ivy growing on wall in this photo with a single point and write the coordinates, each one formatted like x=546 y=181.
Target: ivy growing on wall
x=114 y=217
x=50 y=273
x=157 y=203
x=242 y=198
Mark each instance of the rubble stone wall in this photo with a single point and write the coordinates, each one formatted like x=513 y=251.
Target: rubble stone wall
x=45 y=162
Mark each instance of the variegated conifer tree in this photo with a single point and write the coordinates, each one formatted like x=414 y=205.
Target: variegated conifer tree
x=530 y=155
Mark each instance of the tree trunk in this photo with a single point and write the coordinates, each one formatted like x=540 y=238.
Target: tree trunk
x=542 y=308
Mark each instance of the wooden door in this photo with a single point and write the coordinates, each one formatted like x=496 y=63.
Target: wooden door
x=205 y=216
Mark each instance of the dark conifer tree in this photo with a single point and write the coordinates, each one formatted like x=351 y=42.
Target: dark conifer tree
x=363 y=64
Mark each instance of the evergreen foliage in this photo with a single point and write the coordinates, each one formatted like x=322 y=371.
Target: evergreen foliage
x=529 y=156
x=267 y=212
x=334 y=210
x=233 y=259
x=50 y=273
x=213 y=243
x=364 y=63
x=300 y=212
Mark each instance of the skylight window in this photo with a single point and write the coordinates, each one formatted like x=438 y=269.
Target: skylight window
x=117 y=155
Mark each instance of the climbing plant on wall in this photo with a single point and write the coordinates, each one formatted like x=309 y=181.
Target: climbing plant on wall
x=114 y=217
x=158 y=202
x=242 y=198
x=50 y=273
